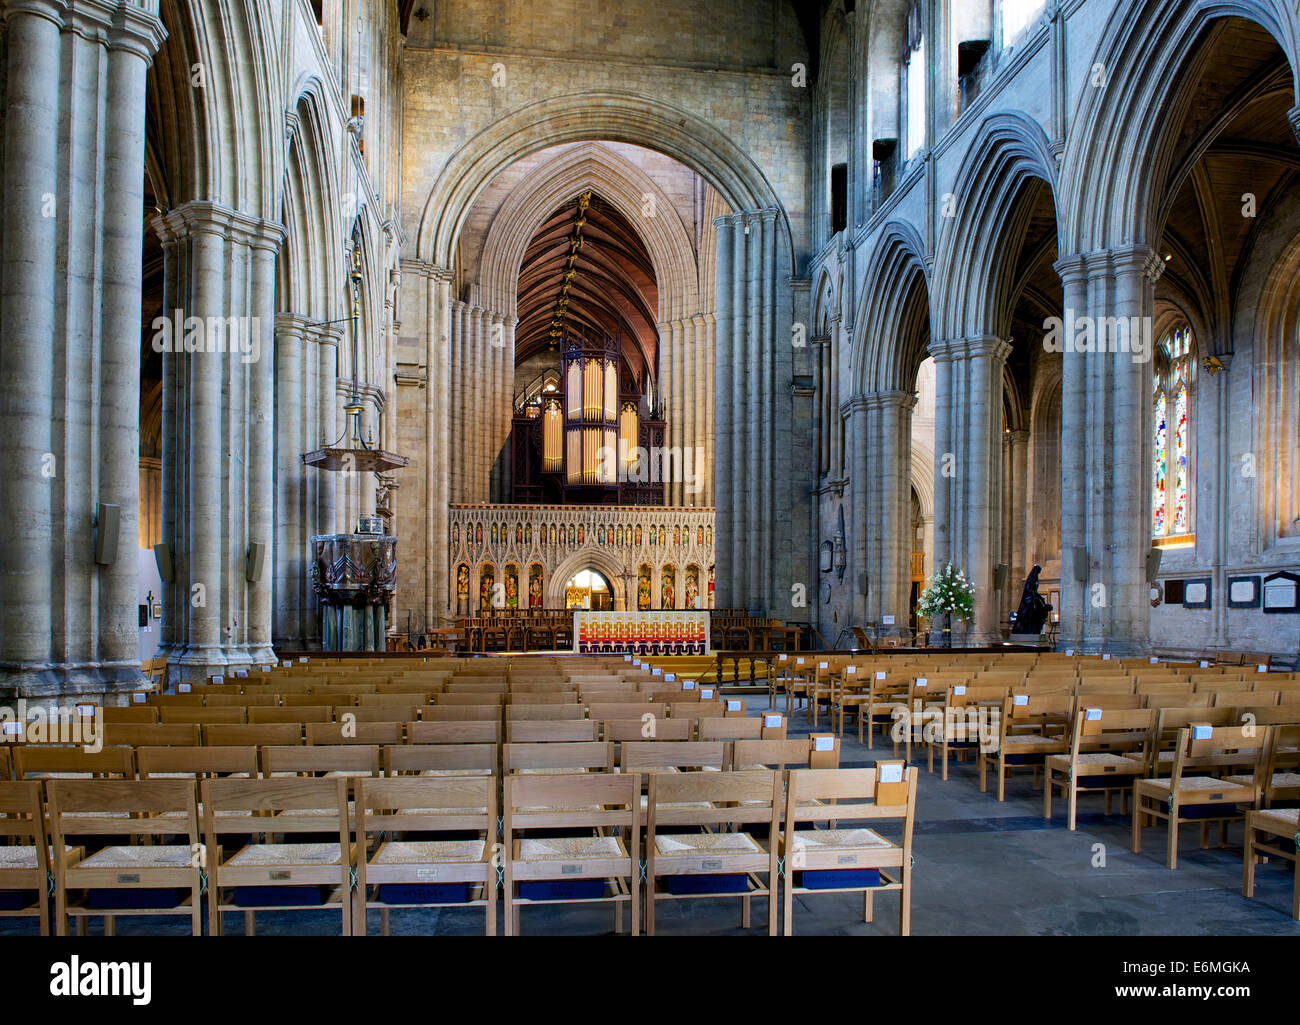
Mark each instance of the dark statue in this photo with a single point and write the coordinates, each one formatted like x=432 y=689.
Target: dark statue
x=1034 y=609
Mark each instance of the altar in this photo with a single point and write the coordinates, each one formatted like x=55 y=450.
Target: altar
x=651 y=632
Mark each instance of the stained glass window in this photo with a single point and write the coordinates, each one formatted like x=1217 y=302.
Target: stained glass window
x=1172 y=384
x=1161 y=465
x=1180 y=461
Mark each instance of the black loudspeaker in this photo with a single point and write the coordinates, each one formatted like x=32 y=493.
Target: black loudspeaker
x=1000 y=576
x=108 y=523
x=256 y=556
x=863 y=583
x=1153 y=564
x=162 y=555
x=1079 y=555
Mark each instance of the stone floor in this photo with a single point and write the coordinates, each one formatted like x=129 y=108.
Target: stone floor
x=982 y=868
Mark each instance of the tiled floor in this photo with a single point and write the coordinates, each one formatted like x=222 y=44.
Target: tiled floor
x=982 y=867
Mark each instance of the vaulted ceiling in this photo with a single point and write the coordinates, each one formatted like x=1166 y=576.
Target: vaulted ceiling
x=588 y=271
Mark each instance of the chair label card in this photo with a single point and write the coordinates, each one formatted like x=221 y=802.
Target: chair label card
x=139 y=699
x=823 y=743
x=852 y=670
x=1092 y=714
x=1020 y=699
x=772 y=721
x=922 y=682
x=1200 y=731
x=185 y=688
x=733 y=705
x=959 y=689
x=823 y=665
x=706 y=693
x=880 y=675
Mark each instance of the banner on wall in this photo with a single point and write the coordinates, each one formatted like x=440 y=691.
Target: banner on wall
x=641 y=633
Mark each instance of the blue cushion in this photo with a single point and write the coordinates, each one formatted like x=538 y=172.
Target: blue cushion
x=837 y=878
x=686 y=885
x=146 y=898
x=16 y=900
x=435 y=893
x=271 y=896
x=562 y=889
x=1218 y=810
x=1109 y=782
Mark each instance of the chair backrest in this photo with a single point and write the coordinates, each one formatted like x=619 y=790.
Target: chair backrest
x=460 y=713
x=244 y=735
x=516 y=713
x=473 y=697
x=194 y=714
x=226 y=699
x=536 y=731
x=584 y=800
x=290 y=713
x=375 y=713
x=1269 y=715
x=733 y=728
x=354 y=732
x=1172 y=720
x=1097 y=727
x=658 y=729
x=627 y=710
x=799 y=752
x=440 y=759
x=1178 y=699
x=196 y=761
x=454 y=732
x=737 y=798
x=412 y=804
x=1220 y=750
x=640 y=756
x=180 y=734
x=552 y=756
x=96 y=807
x=38 y=761
x=134 y=714
x=849 y=795
x=240 y=806
x=343 y=759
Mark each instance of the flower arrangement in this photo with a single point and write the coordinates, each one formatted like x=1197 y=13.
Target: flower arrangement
x=949 y=594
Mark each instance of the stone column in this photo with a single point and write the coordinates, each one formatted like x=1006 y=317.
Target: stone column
x=858 y=408
x=290 y=558
x=709 y=407
x=438 y=447
x=895 y=454
x=478 y=403
x=724 y=444
x=1074 y=281
x=944 y=453
x=986 y=357
x=1018 y=563
x=1136 y=270
x=264 y=247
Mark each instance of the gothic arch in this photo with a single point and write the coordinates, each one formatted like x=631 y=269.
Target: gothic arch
x=582 y=117
x=1143 y=51
x=1009 y=150
x=586 y=558
x=623 y=185
x=891 y=317
x=310 y=197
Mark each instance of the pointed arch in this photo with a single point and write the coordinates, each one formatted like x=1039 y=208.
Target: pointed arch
x=893 y=317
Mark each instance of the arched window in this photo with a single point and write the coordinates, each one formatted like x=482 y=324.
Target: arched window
x=1017 y=15
x=1172 y=403
x=914 y=76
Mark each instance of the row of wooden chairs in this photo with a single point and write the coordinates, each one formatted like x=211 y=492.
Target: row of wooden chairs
x=701 y=838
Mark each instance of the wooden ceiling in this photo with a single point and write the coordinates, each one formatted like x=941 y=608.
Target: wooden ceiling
x=612 y=290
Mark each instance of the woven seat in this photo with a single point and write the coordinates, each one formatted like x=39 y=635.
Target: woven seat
x=570 y=848
x=709 y=843
x=258 y=854
x=153 y=856
x=439 y=773
x=418 y=852
x=837 y=839
x=1280 y=779
x=1291 y=815
x=1188 y=783
x=1107 y=758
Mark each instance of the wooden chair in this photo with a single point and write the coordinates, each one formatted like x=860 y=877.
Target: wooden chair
x=164 y=870
x=851 y=859
x=520 y=713
x=1109 y=750
x=706 y=812
x=749 y=728
x=649 y=757
x=539 y=731
x=1199 y=787
x=1032 y=727
x=453 y=732
x=976 y=714
x=440 y=760
x=821 y=751
x=268 y=875
x=597 y=817
x=25 y=869
x=435 y=870
x=1274 y=833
